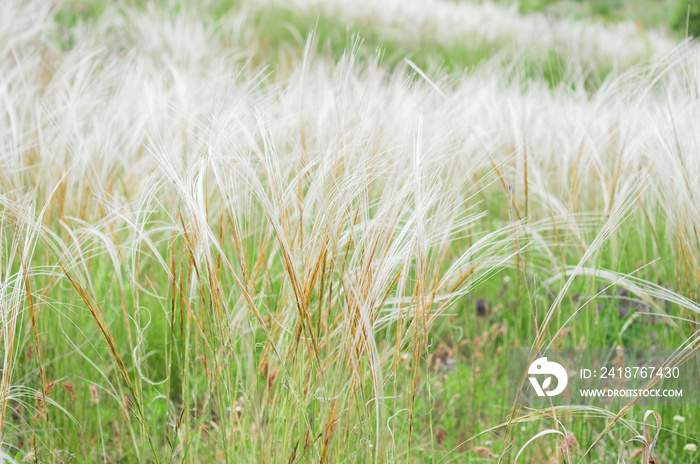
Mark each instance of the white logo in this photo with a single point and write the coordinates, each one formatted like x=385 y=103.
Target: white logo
x=549 y=368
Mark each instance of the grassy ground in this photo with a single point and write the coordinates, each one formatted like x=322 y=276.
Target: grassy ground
x=648 y=13
x=221 y=241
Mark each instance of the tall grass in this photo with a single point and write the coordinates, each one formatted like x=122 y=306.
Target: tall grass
x=203 y=262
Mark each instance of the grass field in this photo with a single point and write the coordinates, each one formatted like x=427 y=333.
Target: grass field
x=286 y=232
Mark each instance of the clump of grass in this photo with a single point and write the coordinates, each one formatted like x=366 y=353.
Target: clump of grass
x=230 y=266
x=686 y=18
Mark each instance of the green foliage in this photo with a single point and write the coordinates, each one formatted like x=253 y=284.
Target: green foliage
x=527 y=6
x=687 y=18
x=647 y=12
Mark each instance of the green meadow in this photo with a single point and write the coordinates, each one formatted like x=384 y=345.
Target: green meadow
x=289 y=232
